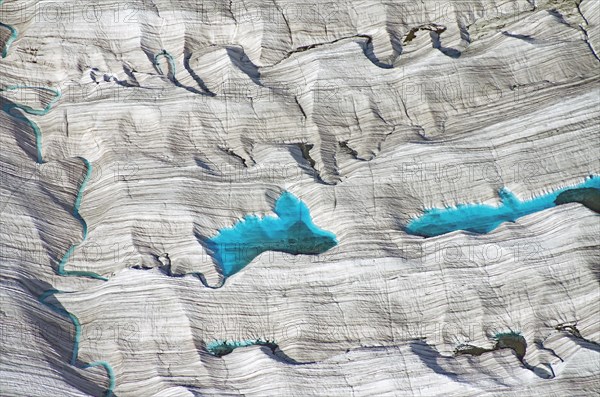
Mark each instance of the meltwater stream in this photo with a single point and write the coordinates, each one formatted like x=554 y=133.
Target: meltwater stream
x=77 y=325
x=9 y=108
x=61 y=265
x=483 y=218
x=12 y=36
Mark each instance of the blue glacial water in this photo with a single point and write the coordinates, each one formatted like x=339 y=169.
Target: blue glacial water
x=8 y=107
x=504 y=340
x=112 y=382
x=61 y=265
x=61 y=271
x=42 y=298
x=222 y=347
x=77 y=338
x=482 y=218
x=12 y=37
x=169 y=58
x=291 y=231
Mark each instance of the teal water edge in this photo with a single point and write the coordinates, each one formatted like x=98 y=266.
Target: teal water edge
x=9 y=106
x=109 y=372
x=482 y=218
x=61 y=265
x=40 y=112
x=12 y=37
x=77 y=325
x=169 y=58
x=61 y=271
x=172 y=71
x=220 y=348
x=513 y=340
x=291 y=231
x=504 y=340
x=42 y=299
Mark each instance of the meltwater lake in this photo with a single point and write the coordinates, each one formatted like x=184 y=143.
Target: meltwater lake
x=483 y=218
x=291 y=231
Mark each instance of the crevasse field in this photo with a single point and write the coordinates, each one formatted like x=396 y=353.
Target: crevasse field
x=286 y=198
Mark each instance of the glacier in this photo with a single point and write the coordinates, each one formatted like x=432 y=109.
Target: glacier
x=368 y=198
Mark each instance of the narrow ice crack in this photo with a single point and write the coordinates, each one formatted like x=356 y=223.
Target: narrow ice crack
x=589 y=43
x=315 y=45
x=578 y=5
x=287 y=23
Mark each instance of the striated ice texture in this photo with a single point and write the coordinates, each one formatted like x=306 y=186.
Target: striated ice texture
x=299 y=198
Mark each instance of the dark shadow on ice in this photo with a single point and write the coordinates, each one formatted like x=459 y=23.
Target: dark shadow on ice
x=430 y=357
